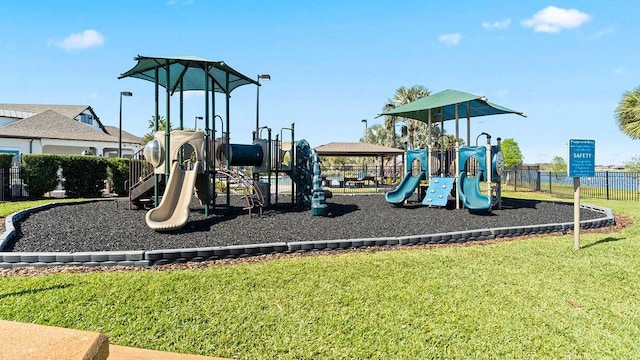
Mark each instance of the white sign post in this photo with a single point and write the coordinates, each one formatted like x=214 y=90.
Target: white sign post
x=582 y=155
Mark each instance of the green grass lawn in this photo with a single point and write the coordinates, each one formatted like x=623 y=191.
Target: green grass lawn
x=10 y=207
x=534 y=298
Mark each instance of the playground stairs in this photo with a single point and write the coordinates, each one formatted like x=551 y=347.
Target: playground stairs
x=141 y=180
x=141 y=192
x=438 y=191
x=31 y=341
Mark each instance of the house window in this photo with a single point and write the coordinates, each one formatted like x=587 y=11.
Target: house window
x=86 y=119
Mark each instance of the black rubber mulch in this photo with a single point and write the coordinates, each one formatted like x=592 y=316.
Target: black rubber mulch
x=109 y=225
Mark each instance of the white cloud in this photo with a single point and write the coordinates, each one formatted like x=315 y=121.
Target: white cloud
x=497 y=25
x=450 y=39
x=79 y=41
x=554 y=19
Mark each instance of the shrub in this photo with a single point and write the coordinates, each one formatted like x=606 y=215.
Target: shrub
x=5 y=160
x=40 y=173
x=84 y=175
x=117 y=174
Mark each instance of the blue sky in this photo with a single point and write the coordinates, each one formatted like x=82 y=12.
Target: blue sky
x=564 y=64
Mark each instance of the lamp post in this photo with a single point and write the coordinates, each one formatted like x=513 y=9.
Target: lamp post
x=122 y=93
x=393 y=138
x=265 y=77
x=195 y=122
x=365 y=125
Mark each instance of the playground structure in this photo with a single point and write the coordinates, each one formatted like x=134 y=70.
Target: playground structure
x=452 y=174
x=188 y=157
x=447 y=176
x=184 y=160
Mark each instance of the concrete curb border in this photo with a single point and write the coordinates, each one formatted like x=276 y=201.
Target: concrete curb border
x=168 y=256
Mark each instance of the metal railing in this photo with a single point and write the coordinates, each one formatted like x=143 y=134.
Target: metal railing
x=361 y=178
x=609 y=185
x=521 y=178
x=11 y=183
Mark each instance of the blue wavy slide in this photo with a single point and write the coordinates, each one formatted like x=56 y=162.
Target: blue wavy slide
x=405 y=189
x=469 y=191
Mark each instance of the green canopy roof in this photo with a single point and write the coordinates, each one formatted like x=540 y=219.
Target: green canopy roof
x=447 y=99
x=188 y=73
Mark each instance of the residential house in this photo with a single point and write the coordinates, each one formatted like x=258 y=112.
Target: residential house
x=60 y=129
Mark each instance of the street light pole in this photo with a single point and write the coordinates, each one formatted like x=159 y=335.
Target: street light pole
x=195 y=123
x=393 y=139
x=365 y=125
x=265 y=77
x=122 y=93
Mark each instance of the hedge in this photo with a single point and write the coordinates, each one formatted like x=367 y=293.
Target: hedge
x=117 y=174
x=5 y=160
x=39 y=172
x=84 y=175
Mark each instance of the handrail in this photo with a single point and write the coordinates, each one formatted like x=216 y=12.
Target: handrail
x=140 y=170
x=246 y=185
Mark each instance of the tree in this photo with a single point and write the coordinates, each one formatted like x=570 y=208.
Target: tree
x=628 y=113
x=512 y=154
x=558 y=164
x=450 y=141
x=162 y=125
x=405 y=95
x=377 y=134
x=633 y=164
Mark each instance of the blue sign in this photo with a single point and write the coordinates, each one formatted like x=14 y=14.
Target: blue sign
x=582 y=158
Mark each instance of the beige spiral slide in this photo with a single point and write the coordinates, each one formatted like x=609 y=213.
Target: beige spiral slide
x=173 y=211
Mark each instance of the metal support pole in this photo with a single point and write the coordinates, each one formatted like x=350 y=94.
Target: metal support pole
x=395 y=157
x=292 y=162
x=442 y=148
x=258 y=105
x=120 y=130
x=429 y=147
x=122 y=93
x=227 y=135
x=207 y=190
x=156 y=195
x=576 y=213
x=277 y=167
x=488 y=165
x=457 y=167
x=211 y=140
x=167 y=129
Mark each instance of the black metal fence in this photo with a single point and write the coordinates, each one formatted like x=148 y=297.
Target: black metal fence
x=609 y=185
x=360 y=178
x=521 y=178
x=12 y=185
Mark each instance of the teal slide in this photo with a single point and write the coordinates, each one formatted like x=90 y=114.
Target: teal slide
x=469 y=191
x=405 y=189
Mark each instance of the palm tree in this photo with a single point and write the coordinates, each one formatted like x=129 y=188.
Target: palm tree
x=377 y=134
x=450 y=141
x=162 y=125
x=405 y=95
x=628 y=113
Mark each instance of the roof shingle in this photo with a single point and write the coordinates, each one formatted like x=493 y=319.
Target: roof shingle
x=57 y=126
